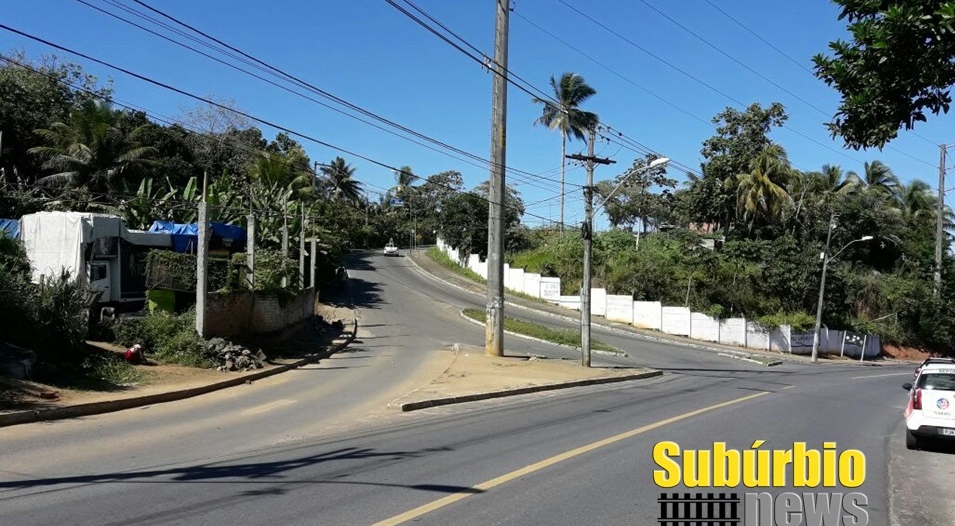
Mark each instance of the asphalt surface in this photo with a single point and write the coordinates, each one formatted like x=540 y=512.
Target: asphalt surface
x=313 y=447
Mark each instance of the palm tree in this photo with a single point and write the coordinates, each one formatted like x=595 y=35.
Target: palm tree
x=342 y=184
x=91 y=151
x=564 y=115
x=762 y=191
x=877 y=177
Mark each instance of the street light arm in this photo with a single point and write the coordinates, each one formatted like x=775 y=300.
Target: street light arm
x=864 y=238
x=662 y=161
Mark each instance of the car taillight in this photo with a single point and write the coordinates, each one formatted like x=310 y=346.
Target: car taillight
x=917 y=399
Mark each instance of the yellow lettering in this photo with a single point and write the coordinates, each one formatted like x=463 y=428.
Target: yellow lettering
x=805 y=466
x=756 y=466
x=829 y=464
x=669 y=476
x=780 y=460
x=696 y=468
x=852 y=468
x=725 y=466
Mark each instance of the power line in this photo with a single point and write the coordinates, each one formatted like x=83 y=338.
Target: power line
x=784 y=54
x=694 y=78
x=753 y=71
x=272 y=70
x=226 y=108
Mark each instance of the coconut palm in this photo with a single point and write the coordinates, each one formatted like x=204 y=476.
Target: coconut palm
x=91 y=151
x=762 y=191
x=877 y=177
x=563 y=114
x=341 y=182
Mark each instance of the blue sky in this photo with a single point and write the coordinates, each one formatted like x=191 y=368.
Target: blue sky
x=368 y=53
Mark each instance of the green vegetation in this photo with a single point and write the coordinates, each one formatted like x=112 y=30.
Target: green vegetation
x=442 y=259
x=897 y=67
x=169 y=338
x=559 y=336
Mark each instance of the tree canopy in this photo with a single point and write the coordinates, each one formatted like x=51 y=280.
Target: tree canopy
x=897 y=68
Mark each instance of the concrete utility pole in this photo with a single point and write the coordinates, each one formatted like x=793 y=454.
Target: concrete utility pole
x=250 y=252
x=940 y=213
x=822 y=289
x=202 y=259
x=301 y=251
x=284 y=242
x=494 y=330
x=312 y=260
x=587 y=230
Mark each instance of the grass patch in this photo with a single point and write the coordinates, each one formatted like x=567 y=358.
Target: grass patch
x=442 y=259
x=99 y=371
x=560 y=336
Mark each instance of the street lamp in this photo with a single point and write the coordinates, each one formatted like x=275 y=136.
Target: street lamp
x=588 y=241
x=822 y=287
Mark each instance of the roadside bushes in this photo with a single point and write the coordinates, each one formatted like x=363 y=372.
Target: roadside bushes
x=170 y=338
x=49 y=317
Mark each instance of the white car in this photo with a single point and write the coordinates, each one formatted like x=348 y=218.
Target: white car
x=391 y=249
x=930 y=412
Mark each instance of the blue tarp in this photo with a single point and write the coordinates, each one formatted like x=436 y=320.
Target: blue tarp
x=184 y=235
x=10 y=228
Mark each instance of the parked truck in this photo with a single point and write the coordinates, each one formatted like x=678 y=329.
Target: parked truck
x=97 y=250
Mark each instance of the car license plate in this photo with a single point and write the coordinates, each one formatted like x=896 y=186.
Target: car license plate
x=946 y=432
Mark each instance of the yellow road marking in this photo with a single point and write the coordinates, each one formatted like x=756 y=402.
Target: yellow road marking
x=484 y=486
x=878 y=375
x=267 y=407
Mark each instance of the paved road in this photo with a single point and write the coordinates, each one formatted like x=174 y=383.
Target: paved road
x=286 y=452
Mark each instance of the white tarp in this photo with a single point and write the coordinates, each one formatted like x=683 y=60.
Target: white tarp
x=54 y=242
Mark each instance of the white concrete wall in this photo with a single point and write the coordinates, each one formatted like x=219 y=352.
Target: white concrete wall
x=756 y=337
x=779 y=339
x=648 y=315
x=733 y=332
x=676 y=320
x=532 y=284
x=569 y=302
x=550 y=288
x=517 y=279
x=620 y=308
x=703 y=327
x=801 y=342
x=598 y=302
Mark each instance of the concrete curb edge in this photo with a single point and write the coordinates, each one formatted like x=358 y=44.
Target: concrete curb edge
x=435 y=402
x=620 y=354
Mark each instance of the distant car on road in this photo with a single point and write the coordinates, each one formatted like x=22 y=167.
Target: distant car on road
x=391 y=249
x=930 y=412
x=950 y=361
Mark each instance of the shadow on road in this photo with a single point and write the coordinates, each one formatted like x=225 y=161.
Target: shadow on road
x=276 y=473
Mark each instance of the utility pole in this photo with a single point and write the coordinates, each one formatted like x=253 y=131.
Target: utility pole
x=301 y=251
x=587 y=230
x=822 y=289
x=494 y=330
x=284 y=242
x=940 y=215
x=202 y=261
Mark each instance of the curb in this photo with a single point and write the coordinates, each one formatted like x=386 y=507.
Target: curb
x=110 y=406
x=435 y=402
x=619 y=354
x=771 y=363
x=628 y=332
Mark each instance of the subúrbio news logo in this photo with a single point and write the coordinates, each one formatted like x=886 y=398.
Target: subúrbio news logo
x=721 y=472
